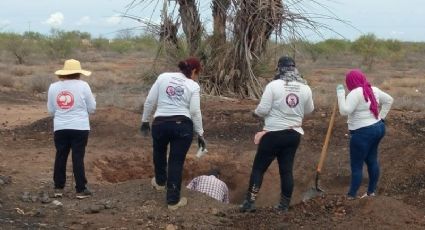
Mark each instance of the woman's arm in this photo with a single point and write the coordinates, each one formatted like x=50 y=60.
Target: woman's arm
x=195 y=111
x=266 y=102
x=150 y=102
x=89 y=98
x=386 y=101
x=348 y=104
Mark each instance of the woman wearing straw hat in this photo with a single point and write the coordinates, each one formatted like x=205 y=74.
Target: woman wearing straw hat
x=178 y=113
x=70 y=101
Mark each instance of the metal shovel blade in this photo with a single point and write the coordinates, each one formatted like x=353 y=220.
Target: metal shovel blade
x=314 y=191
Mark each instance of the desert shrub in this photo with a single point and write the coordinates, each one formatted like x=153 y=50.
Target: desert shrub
x=100 y=44
x=18 y=46
x=121 y=46
x=21 y=71
x=39 y=84
x=6 y=81
x=62 y=44
x=369 y=48
x=146 y=44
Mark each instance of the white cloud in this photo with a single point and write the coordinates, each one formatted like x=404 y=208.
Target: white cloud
x=114 y=20
x=84 y=21
x=4 y=24
x=55 y=19
x=397 y=33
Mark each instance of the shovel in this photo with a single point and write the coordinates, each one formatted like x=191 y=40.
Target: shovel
x=316 y=190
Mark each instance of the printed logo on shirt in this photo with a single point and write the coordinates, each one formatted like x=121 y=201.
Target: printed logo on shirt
x=174 y=91
x=65 y=100
x=171 y=91
x=292 y=100
x=179 y=91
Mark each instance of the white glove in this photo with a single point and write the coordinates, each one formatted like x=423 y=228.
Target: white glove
x=340 y=91
x=201 y=152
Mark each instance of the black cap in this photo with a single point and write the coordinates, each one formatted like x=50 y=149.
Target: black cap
x=286 y=61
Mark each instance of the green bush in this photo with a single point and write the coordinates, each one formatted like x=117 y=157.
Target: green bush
x=369 y=47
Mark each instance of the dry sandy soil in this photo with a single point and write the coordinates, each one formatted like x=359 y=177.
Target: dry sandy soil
x=119 y=166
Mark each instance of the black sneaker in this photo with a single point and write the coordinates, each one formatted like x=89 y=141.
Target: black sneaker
x=247 y=206
x=84 y=194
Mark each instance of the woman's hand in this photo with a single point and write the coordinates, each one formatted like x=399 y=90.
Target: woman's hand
x=201 y=143
x=145 y=128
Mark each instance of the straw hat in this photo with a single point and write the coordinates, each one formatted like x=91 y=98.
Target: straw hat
x=72 y=66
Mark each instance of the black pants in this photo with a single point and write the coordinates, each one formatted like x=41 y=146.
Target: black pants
x=179 y=135
x=281 y=145
x=65 y=140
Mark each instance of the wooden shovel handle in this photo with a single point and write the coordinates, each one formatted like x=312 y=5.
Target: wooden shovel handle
x=328 y=136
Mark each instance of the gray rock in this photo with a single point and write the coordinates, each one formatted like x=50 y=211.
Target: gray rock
x=34 y=198
x=38 y=213
x=5 y=179
x=94 y=209
x=108 y=204
x=44 y=198
x=2 y=182
x=26 y=197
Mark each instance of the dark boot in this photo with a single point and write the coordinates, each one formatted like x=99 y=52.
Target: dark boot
x=248 y=204
x=283 y=205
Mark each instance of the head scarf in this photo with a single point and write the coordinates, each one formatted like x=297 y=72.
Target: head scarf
x=355 y=78
x=289 y=74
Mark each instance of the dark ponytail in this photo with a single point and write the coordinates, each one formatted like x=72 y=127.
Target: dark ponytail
x=188 y=65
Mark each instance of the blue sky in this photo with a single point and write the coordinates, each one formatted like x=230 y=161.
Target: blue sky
x=389 y=19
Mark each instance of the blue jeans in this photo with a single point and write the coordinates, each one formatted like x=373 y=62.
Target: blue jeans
x=364 y=148
x=178 y=133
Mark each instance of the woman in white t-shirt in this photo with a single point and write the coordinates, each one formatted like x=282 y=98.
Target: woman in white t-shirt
x=366 y=108
x=176 y=97
x=70 y=101
x=283 y=105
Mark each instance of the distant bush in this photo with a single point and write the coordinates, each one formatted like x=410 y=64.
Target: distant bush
x=39 y=84
x=20 y=47
x=121 y=46
x=6 y=81
x=100 y=44
x=62 y=44
x=369 y=48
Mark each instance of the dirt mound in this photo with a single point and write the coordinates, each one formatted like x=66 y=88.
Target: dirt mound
x=119 y=166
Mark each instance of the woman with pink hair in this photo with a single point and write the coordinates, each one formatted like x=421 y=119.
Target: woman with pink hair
x=366 y=108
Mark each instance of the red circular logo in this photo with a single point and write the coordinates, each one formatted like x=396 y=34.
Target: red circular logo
x=65 y=100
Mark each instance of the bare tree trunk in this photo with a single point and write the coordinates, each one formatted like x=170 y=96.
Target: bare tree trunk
x=219 y=13
x=253 y=24
x=168 y=32
x=191 y=23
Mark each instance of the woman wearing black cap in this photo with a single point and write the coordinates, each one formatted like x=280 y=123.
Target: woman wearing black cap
x=283 y=104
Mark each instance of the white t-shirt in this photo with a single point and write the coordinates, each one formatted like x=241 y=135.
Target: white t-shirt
x=70 y=102
x=284 y=104
x=357 y=109
x=174 y=94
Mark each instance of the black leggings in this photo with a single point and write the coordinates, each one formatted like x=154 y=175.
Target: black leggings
x=65 y=140
x=281 y=145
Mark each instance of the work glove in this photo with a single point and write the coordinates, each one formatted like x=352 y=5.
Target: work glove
x=201 y=143
x=145 y=128
x=340 y=91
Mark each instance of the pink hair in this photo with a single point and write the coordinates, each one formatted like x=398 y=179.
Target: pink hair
x=355 y=78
